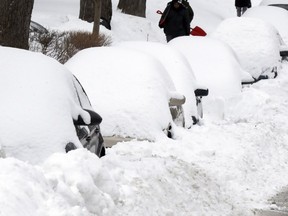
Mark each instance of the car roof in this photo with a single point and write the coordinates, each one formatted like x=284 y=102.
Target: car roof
x=131 y=94
x=276 y=16
x=246 y=32
x=206 y=57
x=178 y=68
x=38 y=102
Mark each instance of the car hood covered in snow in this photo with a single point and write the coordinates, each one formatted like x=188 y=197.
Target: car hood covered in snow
x=37 y=105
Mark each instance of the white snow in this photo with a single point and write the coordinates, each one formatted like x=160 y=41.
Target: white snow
x=223 y=73
x=225 y=166
x=178 y=69
x=267 y=13
x=268 y=2
x=132 y=94
x=244 y=33
x=35 y=94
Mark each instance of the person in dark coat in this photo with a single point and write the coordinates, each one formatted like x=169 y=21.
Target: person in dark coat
x=242 y=6
x=175 y=20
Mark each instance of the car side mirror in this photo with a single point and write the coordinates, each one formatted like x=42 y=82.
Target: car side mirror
x=95 y=118
x=177 y=101
x=201 y=92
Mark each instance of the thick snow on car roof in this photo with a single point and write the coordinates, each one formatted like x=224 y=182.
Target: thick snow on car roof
x=222 y=75
x=178 y=68
x=131 y=94
x=255 y=42
x=37 y=105
x=276 y=16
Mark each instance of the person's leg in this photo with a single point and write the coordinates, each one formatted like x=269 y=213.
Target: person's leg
x=238 y=9
x=169 y=37
x=244 y=9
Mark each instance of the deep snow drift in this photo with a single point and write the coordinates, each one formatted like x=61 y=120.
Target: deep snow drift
x=230 y=165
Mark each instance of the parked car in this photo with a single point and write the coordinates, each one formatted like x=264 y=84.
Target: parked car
x=276 y=16
x=89 y=134
x=181 y=74
x=132 y=91
x=44 y=109
x=276 y=3
x=255 y=42
x=214 y=64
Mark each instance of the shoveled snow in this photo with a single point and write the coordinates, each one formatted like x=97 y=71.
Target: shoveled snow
x=227 y=166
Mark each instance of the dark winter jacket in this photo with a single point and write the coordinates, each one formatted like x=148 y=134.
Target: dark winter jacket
x=176 y=22
x=243 y=3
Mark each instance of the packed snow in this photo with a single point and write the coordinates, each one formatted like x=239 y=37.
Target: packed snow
x=244 y=33
x=133 y=99
x=267 y=13
x=30 y=106
x=229 y=165
x=178 y=69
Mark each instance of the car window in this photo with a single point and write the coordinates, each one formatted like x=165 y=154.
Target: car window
x=83 y=99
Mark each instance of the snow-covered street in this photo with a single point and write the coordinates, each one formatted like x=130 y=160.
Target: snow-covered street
x=230 y=164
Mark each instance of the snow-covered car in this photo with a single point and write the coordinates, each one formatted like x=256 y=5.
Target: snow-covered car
x=215 y=65
x=130 y=89
x=181 y=74
x=44 y=109
x=276 y=3
x=255 y=42
x=276 y=16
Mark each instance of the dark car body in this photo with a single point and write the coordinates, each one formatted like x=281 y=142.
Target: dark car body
x=89 y=135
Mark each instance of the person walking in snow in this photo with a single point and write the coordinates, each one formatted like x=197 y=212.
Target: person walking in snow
x=242 y=6
x=176 y=19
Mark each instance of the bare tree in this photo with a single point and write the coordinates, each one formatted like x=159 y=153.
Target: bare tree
x=15 y=17
x=133 y=7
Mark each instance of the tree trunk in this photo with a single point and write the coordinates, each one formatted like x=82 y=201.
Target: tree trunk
x=15 y=17
x=87 y=10
x=106 y=10
x=133 y=7
x=97 y=17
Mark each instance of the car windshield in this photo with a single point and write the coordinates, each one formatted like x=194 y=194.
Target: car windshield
x=83 y=99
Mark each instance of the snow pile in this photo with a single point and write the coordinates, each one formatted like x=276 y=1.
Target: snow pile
x=67 y=184
x=268 y=14
x=132 y=94
x=255 y=42
x=222 y=75
x=38 y=103
x=179 y=70
x=226 y=167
